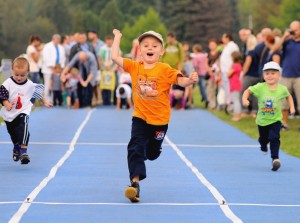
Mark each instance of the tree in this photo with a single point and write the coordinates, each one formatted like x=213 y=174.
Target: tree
x=110 y=18
x=150 y=21
x=13 y=34
x=289 y=11
x=196 y=20
x=261 y=12
x=264 y=10
x=56 y=11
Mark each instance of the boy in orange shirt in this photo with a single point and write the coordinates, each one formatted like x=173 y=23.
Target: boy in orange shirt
x=151 y=83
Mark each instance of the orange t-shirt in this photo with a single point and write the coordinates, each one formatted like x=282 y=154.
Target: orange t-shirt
x=151 y=88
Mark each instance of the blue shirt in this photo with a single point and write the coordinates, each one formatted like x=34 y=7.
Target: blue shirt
x=261 y=52
x=291 y=61
x=254 y=66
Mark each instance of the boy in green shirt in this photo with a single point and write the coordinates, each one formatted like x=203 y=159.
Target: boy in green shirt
x=269 y=117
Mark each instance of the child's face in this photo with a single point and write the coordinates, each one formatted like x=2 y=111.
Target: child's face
x=271 y=76
x=20 y=73
x=151 y=49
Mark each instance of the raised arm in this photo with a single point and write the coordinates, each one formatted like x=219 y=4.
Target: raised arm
x=279 y=43
x=115 y=56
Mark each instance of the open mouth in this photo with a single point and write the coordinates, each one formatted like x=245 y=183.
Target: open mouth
x=150 y=54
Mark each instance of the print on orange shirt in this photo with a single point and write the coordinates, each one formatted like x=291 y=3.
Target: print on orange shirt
x=147 y=87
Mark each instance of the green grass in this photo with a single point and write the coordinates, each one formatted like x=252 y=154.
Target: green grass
x=290 y=140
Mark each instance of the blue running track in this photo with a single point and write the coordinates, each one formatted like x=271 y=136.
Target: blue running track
x=209 y=172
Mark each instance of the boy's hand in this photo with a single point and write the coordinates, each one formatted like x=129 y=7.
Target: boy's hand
x=193 y=77
x=292 y=111
x=47 y=104
x=117 y=33
x=246 y=103
x=7 y=105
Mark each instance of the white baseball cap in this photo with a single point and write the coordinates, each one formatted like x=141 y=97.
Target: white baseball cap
x=151 y=33
x=272 y=66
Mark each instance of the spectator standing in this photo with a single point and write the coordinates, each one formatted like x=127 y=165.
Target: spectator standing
x=88 y=69
x=33 y=56
x=250 y=77
x=105 y=58
x=199 y=63
x=107 y=83
x=235 y=85
x=53 y=54
x=188 y=68
x=273 y=55
x=225 y=64
x=82 y=45
x=56 y=86
x=65 y=42
x=95 y=40
x=173 y=54
x=97 y=44
x=71 y=81
x=290 y=43
x=213 y=70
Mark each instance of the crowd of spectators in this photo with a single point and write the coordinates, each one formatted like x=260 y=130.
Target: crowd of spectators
x=78 y=72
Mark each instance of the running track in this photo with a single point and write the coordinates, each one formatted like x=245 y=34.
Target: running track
x=208 y=172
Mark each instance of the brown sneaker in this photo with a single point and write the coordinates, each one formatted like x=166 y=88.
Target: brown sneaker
x=133 y=192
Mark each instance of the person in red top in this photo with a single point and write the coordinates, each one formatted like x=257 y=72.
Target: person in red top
x=151 y=84
x=235 y=84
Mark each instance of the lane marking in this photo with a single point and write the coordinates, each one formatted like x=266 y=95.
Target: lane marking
x=25 y=205
x=148 y=204
x=125 y=144
x=221 y=200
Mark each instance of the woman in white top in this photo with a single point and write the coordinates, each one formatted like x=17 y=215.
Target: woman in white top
x=33 y=56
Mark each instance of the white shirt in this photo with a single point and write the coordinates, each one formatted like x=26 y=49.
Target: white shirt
x=127 y=93
x=225 y=58
x=34 y=67
x=49 y=57
x=124 y=78
x=19 y=95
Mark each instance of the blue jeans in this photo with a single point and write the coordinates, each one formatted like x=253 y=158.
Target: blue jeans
x=35 y=77
x=202 y=88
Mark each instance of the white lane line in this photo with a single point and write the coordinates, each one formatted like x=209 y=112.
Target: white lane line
x=25 y=206
x=148 y=204
x=125 y=144
x=221 y=200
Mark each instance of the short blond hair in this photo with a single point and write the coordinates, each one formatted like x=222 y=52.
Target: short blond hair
x=20 y=62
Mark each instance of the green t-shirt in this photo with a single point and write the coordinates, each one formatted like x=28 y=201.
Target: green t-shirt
x=173 y=54
x=269 y=103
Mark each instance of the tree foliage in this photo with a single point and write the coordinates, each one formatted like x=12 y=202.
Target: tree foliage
x=289 y=11
x=198 y=20
x=261 y=13
x=150 y=21
x=112 y=16
x=191 y=20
